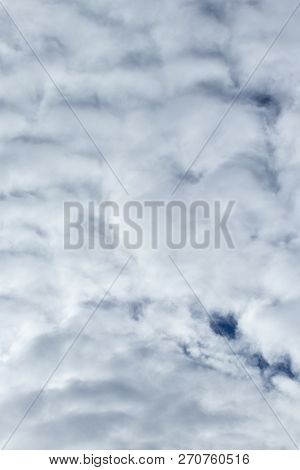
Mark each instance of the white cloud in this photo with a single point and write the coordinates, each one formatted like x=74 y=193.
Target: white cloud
x=149 y=82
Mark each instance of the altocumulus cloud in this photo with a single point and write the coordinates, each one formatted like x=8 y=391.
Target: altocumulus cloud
x=150 y=80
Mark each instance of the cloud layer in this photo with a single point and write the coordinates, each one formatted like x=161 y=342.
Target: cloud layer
x=149 y=81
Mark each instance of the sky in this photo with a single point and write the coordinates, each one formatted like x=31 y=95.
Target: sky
x=189 y=349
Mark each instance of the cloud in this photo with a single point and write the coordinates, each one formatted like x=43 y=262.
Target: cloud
x=149 y=81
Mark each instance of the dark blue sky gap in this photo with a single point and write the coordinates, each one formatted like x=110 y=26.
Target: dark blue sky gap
x=224 y=325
